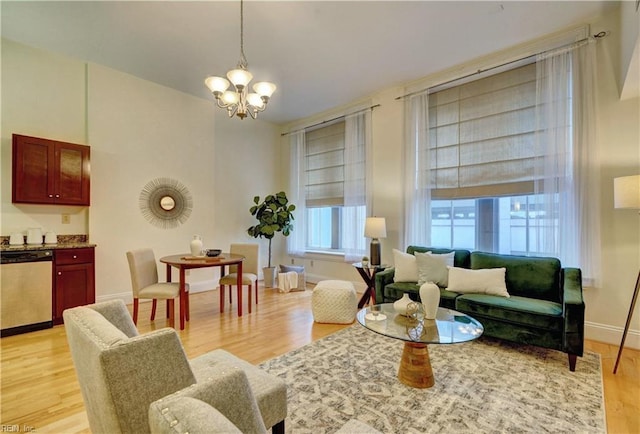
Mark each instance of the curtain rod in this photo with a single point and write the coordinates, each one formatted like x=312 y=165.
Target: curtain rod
x=328 y=120
x=598 y=35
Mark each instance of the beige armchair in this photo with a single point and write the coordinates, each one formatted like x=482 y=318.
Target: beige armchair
x=121 y=373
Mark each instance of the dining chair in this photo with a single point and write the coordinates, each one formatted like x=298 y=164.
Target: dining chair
x=249 y=272
x=145 y=285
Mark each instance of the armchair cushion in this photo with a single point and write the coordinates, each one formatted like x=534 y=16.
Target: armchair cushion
x=227 y=391
x=188 y=415
x=270 y=392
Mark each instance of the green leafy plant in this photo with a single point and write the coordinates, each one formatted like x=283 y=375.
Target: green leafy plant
x=274 y=214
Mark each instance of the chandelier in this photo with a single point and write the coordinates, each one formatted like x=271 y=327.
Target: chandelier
x=239 y=101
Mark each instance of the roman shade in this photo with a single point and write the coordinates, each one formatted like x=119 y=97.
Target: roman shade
x=324 y=167
x=482 y=136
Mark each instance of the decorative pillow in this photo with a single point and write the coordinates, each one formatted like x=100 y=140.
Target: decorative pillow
x=484 y=281
x=302 y=281
x=433 y=268
x=406 y=269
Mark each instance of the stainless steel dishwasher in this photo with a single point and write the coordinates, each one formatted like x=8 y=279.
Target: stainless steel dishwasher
x=25 y=291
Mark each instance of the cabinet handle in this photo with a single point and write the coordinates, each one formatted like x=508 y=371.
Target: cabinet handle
x=59 y=273
x=57 y=195
x=75 y=257
x=50 y=195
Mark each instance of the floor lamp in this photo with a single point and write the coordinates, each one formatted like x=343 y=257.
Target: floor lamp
x=626 y=195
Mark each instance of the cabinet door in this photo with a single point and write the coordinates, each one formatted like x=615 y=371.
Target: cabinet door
x=33 y=160
x=71 y=174
x=50 y=172
x=74 y=286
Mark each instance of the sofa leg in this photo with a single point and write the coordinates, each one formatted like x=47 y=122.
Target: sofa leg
x=278 y=428
x=572 y=362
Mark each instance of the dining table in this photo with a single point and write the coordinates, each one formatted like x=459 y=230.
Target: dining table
x=186 y=261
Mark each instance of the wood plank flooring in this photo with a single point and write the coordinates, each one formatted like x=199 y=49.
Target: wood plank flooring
x=39 y=390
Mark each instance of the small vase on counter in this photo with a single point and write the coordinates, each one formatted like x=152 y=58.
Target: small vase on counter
x=196 y=246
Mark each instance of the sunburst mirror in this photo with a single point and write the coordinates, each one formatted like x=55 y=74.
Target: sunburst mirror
x=165 y=202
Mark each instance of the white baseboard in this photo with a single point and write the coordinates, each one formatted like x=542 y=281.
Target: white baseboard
x=611 y=335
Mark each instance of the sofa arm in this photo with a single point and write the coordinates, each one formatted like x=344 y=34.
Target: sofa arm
x=226 y=392
x=383 y=278
x=573 y=311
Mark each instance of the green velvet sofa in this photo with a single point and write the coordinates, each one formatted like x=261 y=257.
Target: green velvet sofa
x=545 y=307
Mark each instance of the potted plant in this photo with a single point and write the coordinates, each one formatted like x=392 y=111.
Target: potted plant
x=274 y=214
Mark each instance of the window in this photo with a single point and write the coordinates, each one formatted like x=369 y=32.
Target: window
x=324 y=186
x=482 y=159
x=518 y=148
x=513 y=225
x=334 y=178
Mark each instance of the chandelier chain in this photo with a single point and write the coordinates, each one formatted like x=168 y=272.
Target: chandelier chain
x=243 y=60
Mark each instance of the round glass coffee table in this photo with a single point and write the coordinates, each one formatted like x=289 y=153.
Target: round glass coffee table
x=449 y=327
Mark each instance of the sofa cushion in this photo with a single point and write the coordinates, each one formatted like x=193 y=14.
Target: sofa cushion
x=526 y=276
x=406 y=267
x=432 y=267
x=461 y=258
x=484 y=281
x=541 y=314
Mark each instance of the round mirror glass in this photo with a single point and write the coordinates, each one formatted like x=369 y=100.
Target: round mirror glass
x=167 y=203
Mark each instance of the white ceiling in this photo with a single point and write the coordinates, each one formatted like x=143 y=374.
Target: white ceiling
x=321 y=54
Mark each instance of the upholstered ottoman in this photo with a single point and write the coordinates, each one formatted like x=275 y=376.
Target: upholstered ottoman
x=334 y=301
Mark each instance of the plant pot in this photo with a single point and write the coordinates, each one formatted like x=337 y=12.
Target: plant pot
x=269 y=277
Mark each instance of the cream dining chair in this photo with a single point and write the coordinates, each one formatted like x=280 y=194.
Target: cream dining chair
x=249 y=272
x=145 y=285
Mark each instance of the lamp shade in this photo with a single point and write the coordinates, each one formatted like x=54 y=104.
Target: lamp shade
x=264 y=88
x=217 y=84
x=626 y=192
x=239 y=77
x=375 y=227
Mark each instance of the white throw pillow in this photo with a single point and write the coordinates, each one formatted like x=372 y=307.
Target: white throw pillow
x=484 y=281
x=406 y=269
x=432 y=268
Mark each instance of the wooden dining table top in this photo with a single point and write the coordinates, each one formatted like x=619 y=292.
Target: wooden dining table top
x=186 y=260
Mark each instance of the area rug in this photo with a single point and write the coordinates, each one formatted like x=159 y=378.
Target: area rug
x=484 y=386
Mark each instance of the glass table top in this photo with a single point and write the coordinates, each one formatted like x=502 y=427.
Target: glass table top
x=449 y=327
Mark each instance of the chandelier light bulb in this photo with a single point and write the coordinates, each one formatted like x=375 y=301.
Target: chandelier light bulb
x=255 y=100
x=264 y=88
x=230 y=97
x=217 y=84
x=239 y=77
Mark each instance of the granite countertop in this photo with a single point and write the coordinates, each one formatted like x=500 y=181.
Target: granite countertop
x=64 y=242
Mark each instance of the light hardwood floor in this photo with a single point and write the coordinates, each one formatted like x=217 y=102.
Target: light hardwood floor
x=40 y=390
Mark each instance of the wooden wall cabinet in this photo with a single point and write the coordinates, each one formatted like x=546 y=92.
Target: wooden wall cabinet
x=73 y=279
x=50 y=172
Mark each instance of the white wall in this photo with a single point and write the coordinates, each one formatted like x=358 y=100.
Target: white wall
x=43 y=95
x=618 y=136
x=138 y=131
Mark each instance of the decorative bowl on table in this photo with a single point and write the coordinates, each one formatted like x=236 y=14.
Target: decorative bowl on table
x=212 y=253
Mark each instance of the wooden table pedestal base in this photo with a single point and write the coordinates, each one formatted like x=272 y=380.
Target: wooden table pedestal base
x=415 y=366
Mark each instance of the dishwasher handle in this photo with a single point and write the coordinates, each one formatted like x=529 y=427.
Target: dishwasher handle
x=17 y=257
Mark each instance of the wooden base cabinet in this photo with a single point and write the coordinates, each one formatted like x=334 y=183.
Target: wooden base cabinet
x=73 y=280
